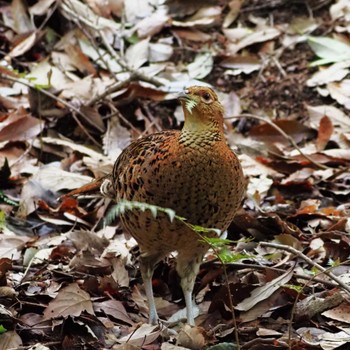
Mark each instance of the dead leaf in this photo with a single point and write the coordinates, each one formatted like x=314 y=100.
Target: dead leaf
x=247 y=37
x=241 y=64
x=192 y=337
x=21 y=22
x=11 y=245
x=73 y=9
x=339 y=91
x=45 y=74
x=152 y=24
x=335 y=72
x=9 y=340
x=337 y=117
x=137 y=55
x=265 y=132
x=120 y=273
x=235 y=7
x=201 y=66
x=325 y=132
x=116 y=138
x=70 y=301
x=24 y=46
x=205 y=16
x=289 y=240
x=41 y=7
x=192 y=35
x=142 y=335
x=80 y=60
x=115 y=309
x=160 y=52
x=125 y=346
x=20 y=125
x=260 y=293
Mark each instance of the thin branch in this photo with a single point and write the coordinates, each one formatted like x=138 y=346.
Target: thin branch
x=139 y=75
x=227 y=285
x=285 y=135
x=112 y=88
x=262 y=267
x=58 y=99
x=292 y=250
x=115 y=111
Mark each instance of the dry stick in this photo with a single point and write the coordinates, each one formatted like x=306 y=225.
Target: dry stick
x=95 y=46
x=112 y=88
x=286 y=136
x=295 y=305
x=292 y=250
x=116 y=112
x=117 y=85
x=297 y=275
x=58 y=99
x=151 y=117
x=231 y=306
x=134 y=73
x=122 y=63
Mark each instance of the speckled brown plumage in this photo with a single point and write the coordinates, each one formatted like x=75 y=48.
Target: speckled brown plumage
x=192 y=171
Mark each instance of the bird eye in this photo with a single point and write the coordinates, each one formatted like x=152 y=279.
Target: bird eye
x=206 y=96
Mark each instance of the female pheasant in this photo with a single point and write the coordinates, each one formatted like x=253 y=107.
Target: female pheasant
x=193 y=172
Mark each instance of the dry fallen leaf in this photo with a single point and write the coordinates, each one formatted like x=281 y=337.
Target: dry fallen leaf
x=70 y=301
x=142 y=335
x=20 y=125
x=192 y=337
x=261 y=293
x=10 y=340
x=325 y=132
x=115 y=309
x=11 y=245
x=340 y=313
x=265 y=132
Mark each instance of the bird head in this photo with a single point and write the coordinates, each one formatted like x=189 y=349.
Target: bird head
x=202 y=109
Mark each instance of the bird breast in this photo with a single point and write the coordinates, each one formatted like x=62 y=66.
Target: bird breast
x=201 y=181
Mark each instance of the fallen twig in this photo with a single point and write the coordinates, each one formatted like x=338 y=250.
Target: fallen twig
x=285 y=135
x=58 y=99
x=292 y=250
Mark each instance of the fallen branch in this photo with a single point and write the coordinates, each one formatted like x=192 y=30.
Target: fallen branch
x=285 y=135
x=63 y=102
x=302 y=256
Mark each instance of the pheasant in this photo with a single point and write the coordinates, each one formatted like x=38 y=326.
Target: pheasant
x=193 y=172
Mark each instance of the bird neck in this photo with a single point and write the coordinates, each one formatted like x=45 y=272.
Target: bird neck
x=197 y=127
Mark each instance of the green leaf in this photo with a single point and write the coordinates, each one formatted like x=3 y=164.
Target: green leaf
x=329 y=50
x=133 y=39
x=2 y=219
x=298 y=289
x=2 y=329
x=218 y=242
x=124 y=205
x=226 y=256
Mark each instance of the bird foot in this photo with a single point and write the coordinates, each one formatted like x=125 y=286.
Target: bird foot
x=167 y=328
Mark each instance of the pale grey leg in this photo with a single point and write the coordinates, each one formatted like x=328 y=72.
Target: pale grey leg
x=147 y=264
x=187 y=268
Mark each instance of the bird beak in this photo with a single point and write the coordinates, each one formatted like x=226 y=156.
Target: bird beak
x=182 y=96
x=188 y=103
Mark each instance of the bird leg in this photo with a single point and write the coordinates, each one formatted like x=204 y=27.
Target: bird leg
x=187 y=268
x=147 y=264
